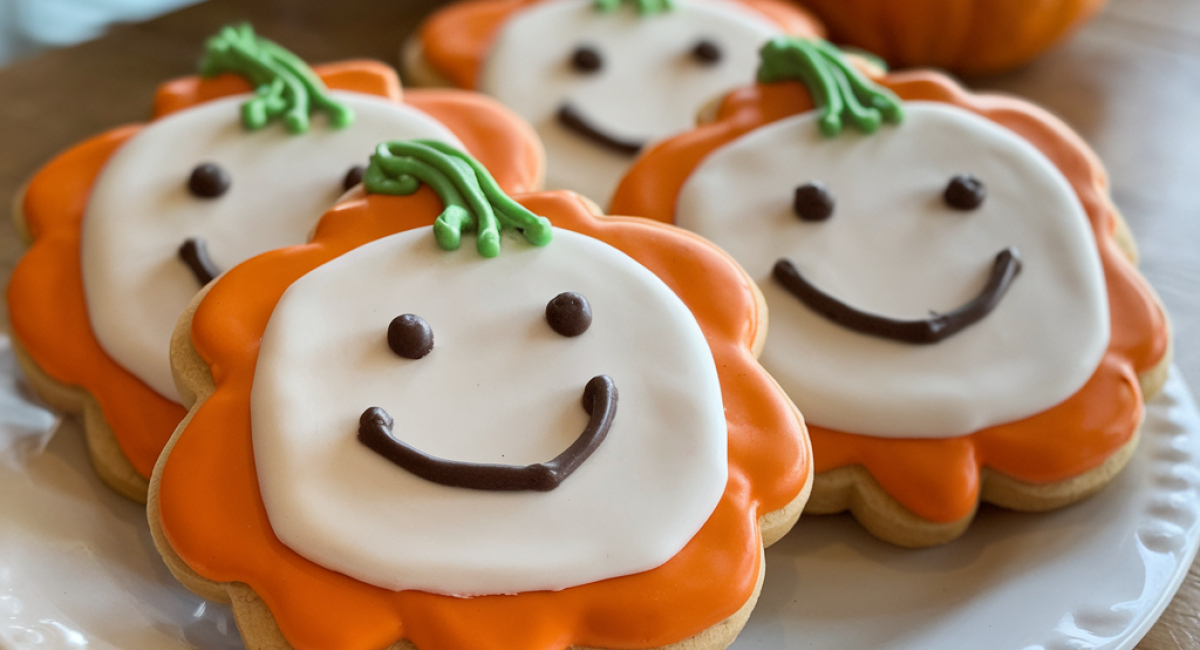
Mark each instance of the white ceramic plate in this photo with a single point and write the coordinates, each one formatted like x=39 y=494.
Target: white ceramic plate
x=78 y=568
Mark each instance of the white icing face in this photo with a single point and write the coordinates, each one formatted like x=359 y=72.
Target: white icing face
x=500 y=386
x=140 y=211
x=649 y=84
x=894 y=248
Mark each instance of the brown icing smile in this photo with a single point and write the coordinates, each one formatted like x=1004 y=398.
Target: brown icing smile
x=599 y=400
x=570 y=117
x=194 y=253
x=927 y=330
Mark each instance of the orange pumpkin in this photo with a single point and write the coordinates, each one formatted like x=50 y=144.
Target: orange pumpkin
x=970 y=37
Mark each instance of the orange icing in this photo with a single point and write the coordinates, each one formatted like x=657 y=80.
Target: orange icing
x=938 y=479
x=455 y=40
x=46 y=296
x=214 y=518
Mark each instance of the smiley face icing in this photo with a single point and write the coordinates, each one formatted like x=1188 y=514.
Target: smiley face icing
x=598 y=86
x=560 y=425
x=952 y=306
x=342 y=504
x=144 y=208
x=893 y=249
x=129 y=225
x=600 y=80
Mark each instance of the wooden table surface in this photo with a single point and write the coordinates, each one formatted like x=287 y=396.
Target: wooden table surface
x=1129 y=82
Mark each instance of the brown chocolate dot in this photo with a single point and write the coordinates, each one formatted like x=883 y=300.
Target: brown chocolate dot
x=569 y=314
x=353 y=177
x=812 y=202
x=586 y=59
x=707 y=52
x=965 y=192
x=208 y=181
x=410 y=336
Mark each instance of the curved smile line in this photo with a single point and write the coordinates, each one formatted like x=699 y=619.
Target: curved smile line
x=574 y=120
x=194 y=253
x=927 y=330
x=599 y=400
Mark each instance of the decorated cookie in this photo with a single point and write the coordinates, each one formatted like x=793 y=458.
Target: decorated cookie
x=532 y=438
x=599 y=79
x=953 y=302
x=126 y=227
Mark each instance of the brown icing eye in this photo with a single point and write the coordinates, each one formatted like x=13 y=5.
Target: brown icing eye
x=410 y=336
x=586 y=59
x=569 y=314
x=707 y=52
x=353 y=177
x=208 y=181
x=965 y=192
x=812 y=202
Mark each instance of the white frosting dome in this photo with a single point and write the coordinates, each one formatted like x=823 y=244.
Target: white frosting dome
x=500 y=386
x=649 y=86
x=894 y=248
x=140 y=210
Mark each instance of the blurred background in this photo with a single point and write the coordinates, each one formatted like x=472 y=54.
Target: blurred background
x=30 y=26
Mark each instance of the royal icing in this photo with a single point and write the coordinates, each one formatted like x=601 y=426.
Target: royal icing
x=939 y=479
x=141 y=211
x=342 y=505
x=893 y=247
x=648 y=81
x=46 y=294
x=212 y=513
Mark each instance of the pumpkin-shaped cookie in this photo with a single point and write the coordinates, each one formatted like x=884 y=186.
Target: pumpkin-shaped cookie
x=967 y=36
x=951 y=307
x=543 y=438
x=127 y=226
x=599 y=79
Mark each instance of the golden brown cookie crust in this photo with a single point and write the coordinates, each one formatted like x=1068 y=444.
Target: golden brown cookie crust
x=111 y=464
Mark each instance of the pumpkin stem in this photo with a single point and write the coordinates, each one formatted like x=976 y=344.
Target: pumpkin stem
x=284 y=85
x=472 y=198
x=644 y=7
x=839 y=90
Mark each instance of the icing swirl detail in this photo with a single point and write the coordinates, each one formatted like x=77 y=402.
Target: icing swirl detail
x=936 y=328
x=284 y=84
x=472 y=199
x=599 y=400
x=839 y=91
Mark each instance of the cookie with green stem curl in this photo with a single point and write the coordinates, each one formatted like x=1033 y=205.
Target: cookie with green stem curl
x=561 y=441
x=599 y=79
x=954 y=306
x=127 y=226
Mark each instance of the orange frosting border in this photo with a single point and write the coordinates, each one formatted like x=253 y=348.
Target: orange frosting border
x=46 y=296
x=456 y=39
x=939 y=479
x=214 y=518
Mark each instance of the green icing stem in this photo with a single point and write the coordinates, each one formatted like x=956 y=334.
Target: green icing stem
x=487 y=228
x=472 y=198
x=838 y=89
x=340 y=115
x=511 y=214
x=880 y=98
x=404 y=175
x=284 y=85
x=644 y=7
x=866 y=119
